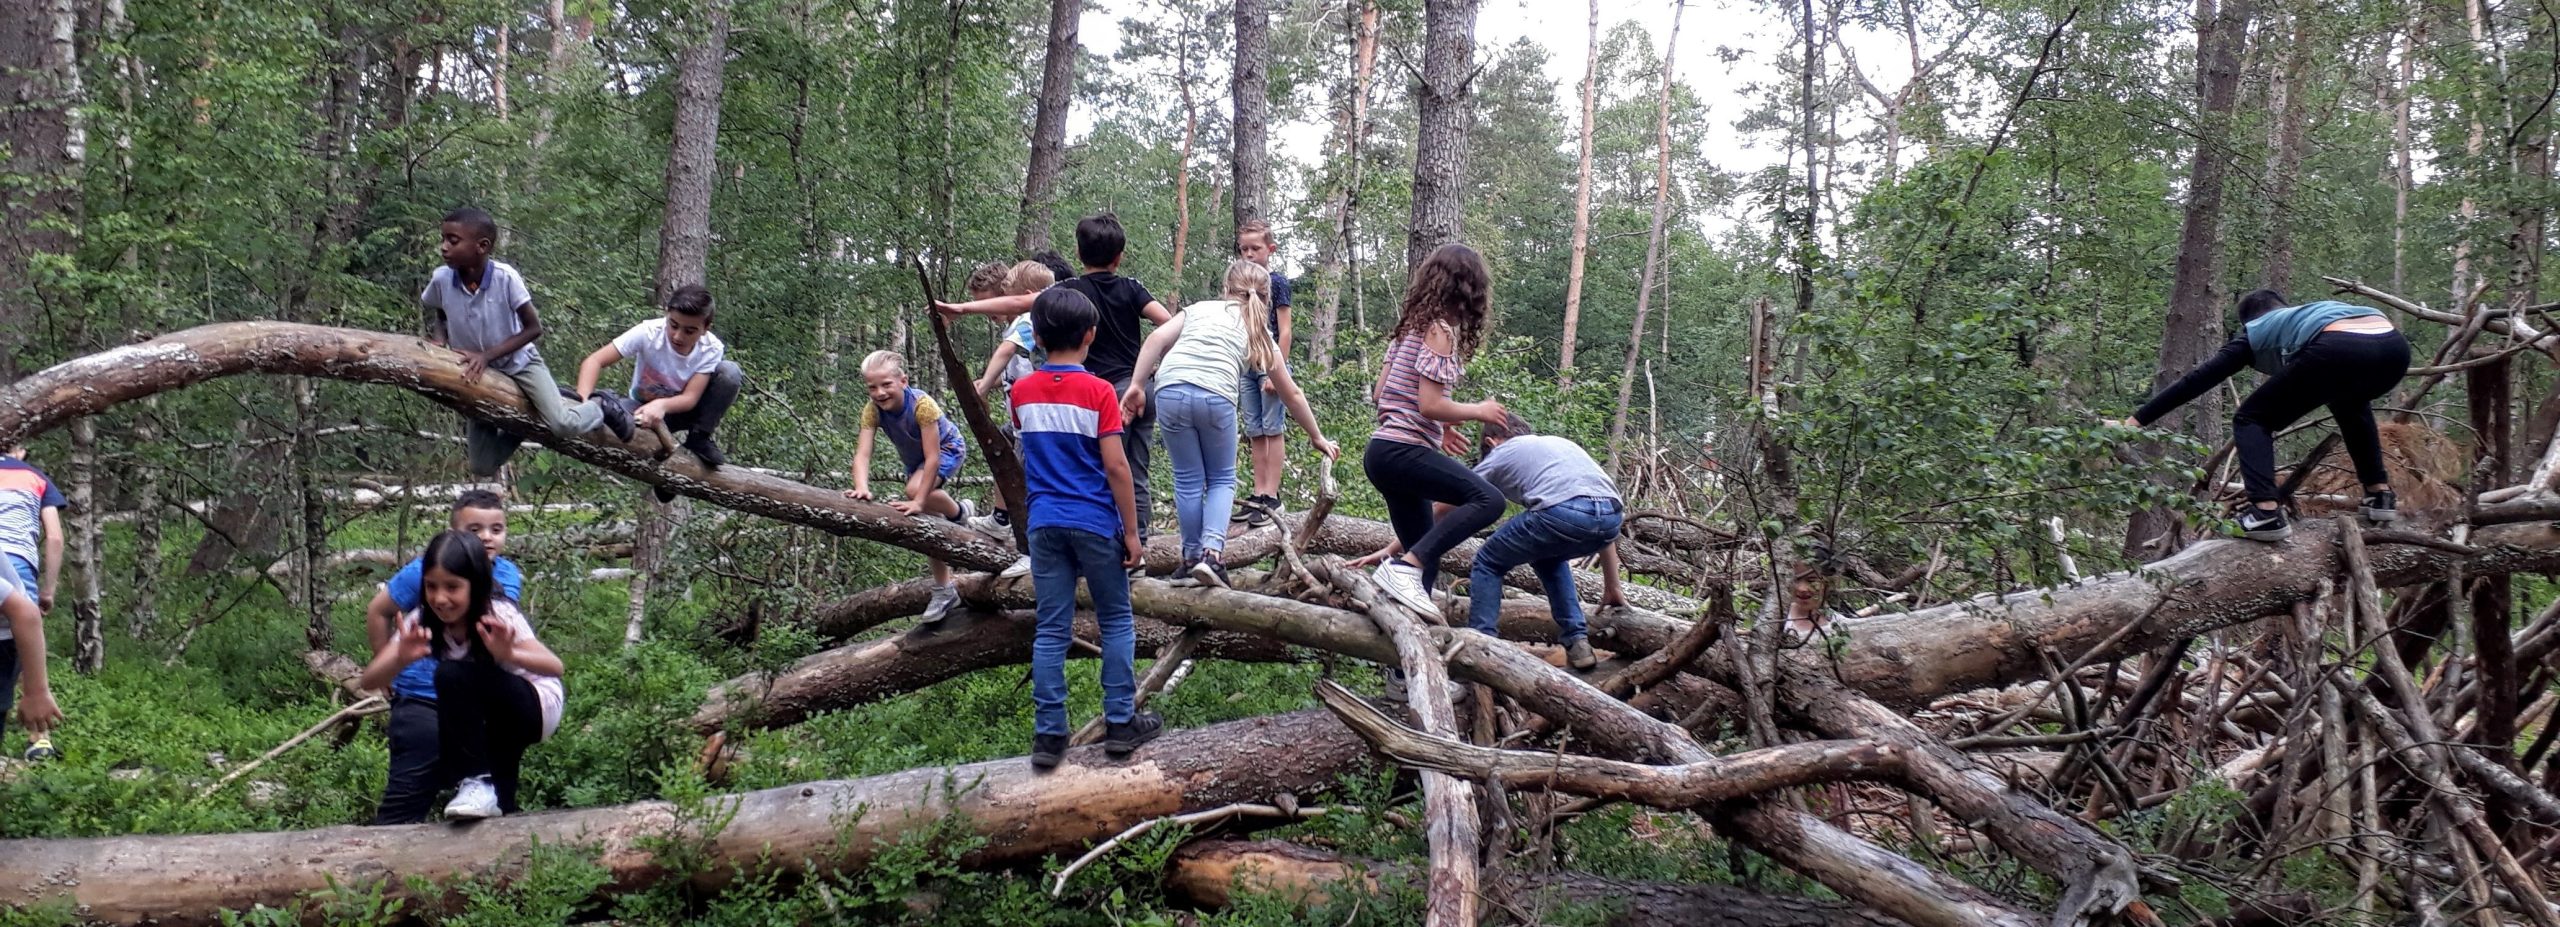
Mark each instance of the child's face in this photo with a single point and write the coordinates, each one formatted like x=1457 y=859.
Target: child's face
x=462 y=248
x=448 y=596
x=489 y=525
x=888 y=388
x=1255 y=247
x=987 y=292
x=685 y=331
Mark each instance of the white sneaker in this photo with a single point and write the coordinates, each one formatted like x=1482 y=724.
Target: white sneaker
x=987 y=524
x=476 y=799
x=1403 y=582
x=945 y=597
x=1020 y=567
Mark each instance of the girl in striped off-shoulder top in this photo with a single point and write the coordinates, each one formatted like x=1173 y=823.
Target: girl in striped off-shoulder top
x=1445 y=310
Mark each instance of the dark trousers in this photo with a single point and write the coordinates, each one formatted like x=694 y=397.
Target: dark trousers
x=416 y=775
x=8 y=680
x=717 y=397
x=1410 y=477
x=1136 y=435
x=485 y=718
x=2345 y=371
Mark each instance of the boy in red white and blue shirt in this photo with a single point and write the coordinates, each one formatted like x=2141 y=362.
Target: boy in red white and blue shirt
x=1083 y=517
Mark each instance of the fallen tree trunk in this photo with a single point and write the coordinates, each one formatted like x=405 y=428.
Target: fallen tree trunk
x=800 y=829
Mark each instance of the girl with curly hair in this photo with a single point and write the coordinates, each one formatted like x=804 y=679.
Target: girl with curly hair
x=1445 y=310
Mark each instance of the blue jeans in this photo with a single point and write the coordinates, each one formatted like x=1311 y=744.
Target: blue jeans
x=1059 y=556
x=1547 y=539
x=1199 y=429
x=9 y=648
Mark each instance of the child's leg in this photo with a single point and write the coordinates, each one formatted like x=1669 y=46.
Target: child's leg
x=1098 y=559
x=1136 y=434
x=1053 y=583
x=1179 y=413
x=1518 y=541
x=487 y=447
x=463 y=704
x=2372 y=366
x=722 y=392
x=1218 y=457
x=8 y=682
x=515 y=724
x=2276 y=403
x=543 y=394
x=409 y=790
x=1264 y=418
x=1408 y=511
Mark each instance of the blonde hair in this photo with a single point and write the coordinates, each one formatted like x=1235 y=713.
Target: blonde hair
x=1249 y=285
x=1028 y=277
x=884 y=360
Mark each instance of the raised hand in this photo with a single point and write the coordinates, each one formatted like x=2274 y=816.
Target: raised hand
x=500 y=636
x=413 y=642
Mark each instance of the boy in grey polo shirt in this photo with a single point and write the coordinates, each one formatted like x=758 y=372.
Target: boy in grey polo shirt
x=479 y=307
x=1572 y=511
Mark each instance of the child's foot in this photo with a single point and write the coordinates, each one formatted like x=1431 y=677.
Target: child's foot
x=1258 y=509
x=617 y=414
x=704 y=449
x=1047 y=750
x=41 y=750
x=476 y=799
x=995 y=522
x=1122 y=738
x=1209 y=571
x=2381 y=507
x=1579 y=654
x=1403 y=582
x=945 y=598
x=2259 y=524
x=968 y=512
x=1020 y=567
x=664 y=494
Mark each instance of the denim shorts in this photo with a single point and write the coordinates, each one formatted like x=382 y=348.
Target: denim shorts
x=1259 y=414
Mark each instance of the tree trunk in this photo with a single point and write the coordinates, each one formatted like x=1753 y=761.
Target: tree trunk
x=1340 y=254
x=555 y=71
x=1049 y=128
x=1182 y=166
x=2194 y=325
x=2401 y=178
x=1252 y=87
x=684 y=237
x=1652 y=242
x=88 y=553
x=1446 y=105
x=2291 y=86
x=42 y=148
x=1582 y=201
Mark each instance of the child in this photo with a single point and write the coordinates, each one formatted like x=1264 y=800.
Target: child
x=413 y=781
x=30 y=534
x=906 y=415
x=1120 y=302
x=1569 y=509
x=1082 y=499
x=1207 y=353
x=497 y=688
x=681 y=376
x=1017 y=352
x=1258 y=395
x=1443 y=319
x=480 y=308
x=2319 y=354
x=22 y=666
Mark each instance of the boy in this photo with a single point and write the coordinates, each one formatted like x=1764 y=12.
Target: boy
x=1571 y=510
x=30 y=534
x=22 y=653
x=415 y=778
x=907 y=415
x=1081 y=498
x=479 y=307
x=681 y=376
x=1259 y=412
x=1119 y=303
x=1016 y=353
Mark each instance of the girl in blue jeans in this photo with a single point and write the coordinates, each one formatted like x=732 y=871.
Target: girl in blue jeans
x=1571 y=509
x=1197 y=360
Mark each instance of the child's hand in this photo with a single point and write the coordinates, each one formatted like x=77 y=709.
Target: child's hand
x=1330 y=450
x=951 y=310
x=473 y=365
x=1613 y=598
x=38 y=712
x=648 y=415
x=1373 y=558
x=1453 y=442
x=1132 y=555
x=859 y=492
x=2125 y=422
x=1270 y=385
x=500 y=636
x=1134 y=402
x=908 y=506
x=414 y=643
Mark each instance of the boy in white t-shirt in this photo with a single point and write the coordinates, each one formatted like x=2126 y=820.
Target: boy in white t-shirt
x=681 y=376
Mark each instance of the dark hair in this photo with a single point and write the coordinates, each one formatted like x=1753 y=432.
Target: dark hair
x=692 y=299
x=1099 y=240
x=1055 y=262
x=461 y=555
x=479 y=499
x=2256 y=303
x=1511 y=426
x=1060 y=316
x=1453 y=286
x=477 y=220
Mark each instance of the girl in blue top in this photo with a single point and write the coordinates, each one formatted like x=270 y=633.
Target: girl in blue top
x=2318 y=354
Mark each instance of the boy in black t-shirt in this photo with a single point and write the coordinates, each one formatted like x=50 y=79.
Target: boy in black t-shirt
x=1122 y=301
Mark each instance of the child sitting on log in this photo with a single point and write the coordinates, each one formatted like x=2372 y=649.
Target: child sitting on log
x=416 y=747
x=681 y=377
x=497 y=687
x=2318 y=354
x=907 y=416
x=480 y=308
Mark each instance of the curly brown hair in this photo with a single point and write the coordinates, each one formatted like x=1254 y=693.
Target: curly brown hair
x=1452 y=286
x=987 y=278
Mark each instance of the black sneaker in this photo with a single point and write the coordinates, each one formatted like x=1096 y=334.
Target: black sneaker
x=1258 y=509
x=1122 y=739
x=1209 y=571
x=665 y=495
x=2381 y=508
x=704 y=449
x=617 y=414
x=2259 y=524
x=1047 y=750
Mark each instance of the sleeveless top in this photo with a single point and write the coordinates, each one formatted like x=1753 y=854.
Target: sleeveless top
x=1400 y=417
x=904 y=431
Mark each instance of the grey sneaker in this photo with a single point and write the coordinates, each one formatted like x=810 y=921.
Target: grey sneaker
x=2259 y=524
x=1020 y=567
x=994 y=523
x=945 y=598
x=1119 y=740
x=1209 y=571
x=476 y=799
x=1579 y=654
x=1403 y=582
x=2382 y=508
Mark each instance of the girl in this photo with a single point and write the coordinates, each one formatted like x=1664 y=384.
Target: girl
x=1204 y=353
x=1445 y=309
x=497 y=688
x=2320 y=354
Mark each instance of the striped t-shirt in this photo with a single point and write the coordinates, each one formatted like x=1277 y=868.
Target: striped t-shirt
x=1400 y=417
x=25 y=492
x=1063 y=413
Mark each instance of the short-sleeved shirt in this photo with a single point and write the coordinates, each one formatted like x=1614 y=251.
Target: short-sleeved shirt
x=546 y=689
x=1538 y=471
x=10 y=588
x=656 y=369
x=1063 y=412
x=1123 y=304
x=477 y=320
x=1211 y=352
x=25 y=492
x=906 y=427
x=407 y=590
x=1027 y=354
x=1400 y=417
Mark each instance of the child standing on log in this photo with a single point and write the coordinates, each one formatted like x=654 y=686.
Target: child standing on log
x=415 y=745
x=1083 y=518
x=480 y=308
x=908 y=417
x=2318 y=354
x=1017 y=352
x=497 y=688
x=681 y=377
x=1570 y=509
x=30 y=536
x=1443 y=319
x=1210 y=355
x=1259 y=399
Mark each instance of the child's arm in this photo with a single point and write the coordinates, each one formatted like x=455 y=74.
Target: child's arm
x=1300 y=411
x=407 y=645
x=517 y=649
x=1612 y=594
x=35 y=708
x=1156 y=312
x=2233 y=356
x=380 y=616
x=1281 y=313
x=592 y=369
x=52 y=558
x=861 y=467
x=1150 y=354
x=528 y=328
x=1115 y=466
x=993 y=305
x=1003 y=354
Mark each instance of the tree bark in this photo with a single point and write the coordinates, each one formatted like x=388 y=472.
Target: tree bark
x=1445 y=100
x=42 y=148
x=2291 y=86
x=1252 y=86
x=1341 y=251
x=1182 y=164
x=88 y=552
x=1652 y=242
x=1582 y=201
x=684 y=237
x=1049 y=128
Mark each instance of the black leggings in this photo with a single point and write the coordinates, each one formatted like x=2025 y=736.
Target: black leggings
x=1410 y=477
x=485 y=718
x=2344 y=371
